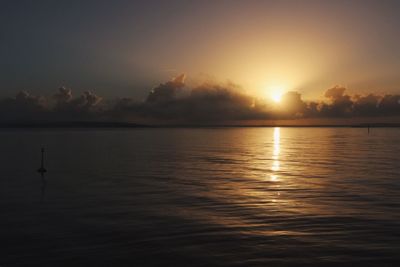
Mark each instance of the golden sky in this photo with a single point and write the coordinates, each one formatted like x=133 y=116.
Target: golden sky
x=123 y=48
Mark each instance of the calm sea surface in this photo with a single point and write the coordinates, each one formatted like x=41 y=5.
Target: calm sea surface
x=201 y=197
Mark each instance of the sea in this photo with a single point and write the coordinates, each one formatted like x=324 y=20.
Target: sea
x=244 y=196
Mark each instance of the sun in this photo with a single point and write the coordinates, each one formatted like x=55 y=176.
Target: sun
x=276 y=94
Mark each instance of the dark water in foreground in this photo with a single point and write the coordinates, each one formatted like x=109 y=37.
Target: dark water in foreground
x=201 y=197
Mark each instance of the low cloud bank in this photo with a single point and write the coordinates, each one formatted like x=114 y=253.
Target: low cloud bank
x=173 y=103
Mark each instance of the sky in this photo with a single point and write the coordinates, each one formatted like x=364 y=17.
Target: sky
x=123 y=49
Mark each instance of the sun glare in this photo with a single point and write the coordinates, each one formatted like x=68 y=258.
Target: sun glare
x=276 y=94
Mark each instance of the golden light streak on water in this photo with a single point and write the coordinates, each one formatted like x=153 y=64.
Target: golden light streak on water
x=275 y=154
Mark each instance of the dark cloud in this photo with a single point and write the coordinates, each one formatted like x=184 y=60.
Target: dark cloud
x=389 y=105
x=167 y=91
x=293 y=105
x=84 y=107
x=210 y=102
x=23 y=107
x=63 y=96
x=366 y=105
x=205 y=103
x=87 y=101
x=64 y=101
x=340 y=104
x=27 y=107
x=172 y=102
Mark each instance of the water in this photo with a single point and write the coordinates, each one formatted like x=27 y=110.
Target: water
x=201 y=197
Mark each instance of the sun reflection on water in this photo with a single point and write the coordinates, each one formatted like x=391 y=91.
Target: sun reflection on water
x=274 y=177
x=277 y=137
x=275 y=154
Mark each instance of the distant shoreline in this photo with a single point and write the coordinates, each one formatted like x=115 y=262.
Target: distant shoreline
x=120 y=125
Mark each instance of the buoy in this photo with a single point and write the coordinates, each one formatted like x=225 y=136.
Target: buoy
x=42 y=170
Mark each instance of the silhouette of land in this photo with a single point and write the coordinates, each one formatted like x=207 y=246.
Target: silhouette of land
x=71 y=124
x=97 y=124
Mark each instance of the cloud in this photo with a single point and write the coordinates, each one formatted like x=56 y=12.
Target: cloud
x=208 y=103
x=213 y=102
x=64 y=101
x=293 y=105
x=23 y=107
x=63 y=96
x=340 y=104
x=389 y=105
x=87 y=101
x=366 y=105
x=62 y=106
x=204 y=103
x=166 y=92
